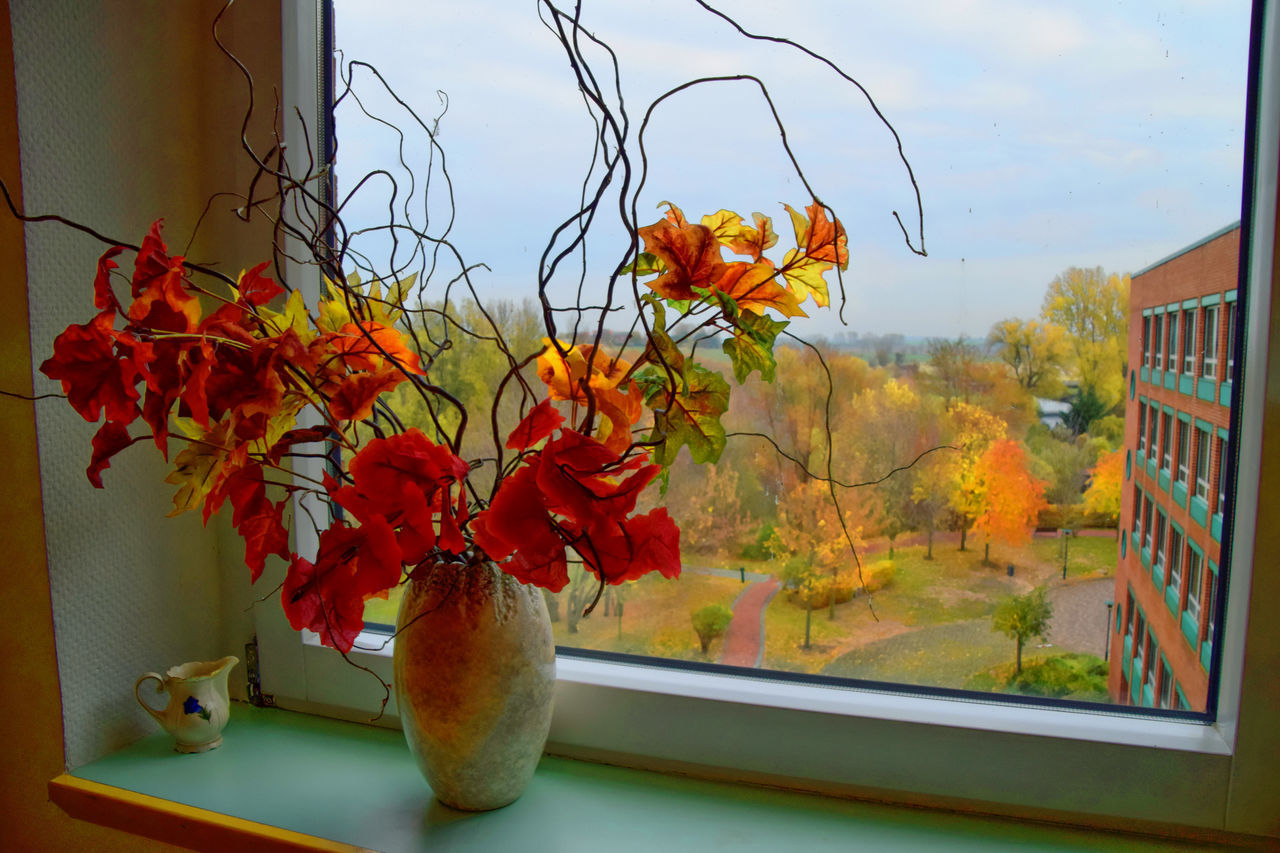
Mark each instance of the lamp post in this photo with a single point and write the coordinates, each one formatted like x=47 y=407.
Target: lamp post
x=1106 y=643
x=1066 y=549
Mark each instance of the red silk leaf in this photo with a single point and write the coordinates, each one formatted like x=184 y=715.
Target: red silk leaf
x=541 y=421
x=626 y=550
x=93 y=377
x=517 y=526
x=367 y=346
x=109 y=440
x=161 y=300
x=258 y=520
x=354 y=396
x=826 y=240
x=103 y=296
x=256 y=289
x=690 y=252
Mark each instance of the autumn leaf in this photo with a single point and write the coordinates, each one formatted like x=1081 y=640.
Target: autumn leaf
x=644 y=264
x=161 y=300
x=196 y=471
x=690 y=254
x=103 y=295
x=616 y=398
x=293 y=318
x=751 y=347
x=253 y=288
x=93 y=377
x=689 y=416
x=805 y=275
x=739 y=238
x=541 y=421
x=755 y=287
x=110 y=439
x=370 y=346
x=674 y=214
x=354 y=396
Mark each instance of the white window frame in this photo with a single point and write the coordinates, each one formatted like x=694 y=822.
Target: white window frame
x=1189 y=342
x=1184 y=452
x=1142 y=430
x=905 y=747
x=1231 y=339
x=1171 y=340
x=1209 y=351
x=1157 y=340
x=1195 y=580
x=1176 y=546
x=1153 y=431
x=1204 y=463
x=1146 y=340
x=1221 y=504
x=1166 y=441
x=1162 y=533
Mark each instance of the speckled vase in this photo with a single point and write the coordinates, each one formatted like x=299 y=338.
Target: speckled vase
x=475 y=668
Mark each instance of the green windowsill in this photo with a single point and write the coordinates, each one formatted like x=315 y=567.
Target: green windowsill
x=357 y=785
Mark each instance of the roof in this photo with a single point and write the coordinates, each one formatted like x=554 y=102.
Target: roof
x=1197 y=244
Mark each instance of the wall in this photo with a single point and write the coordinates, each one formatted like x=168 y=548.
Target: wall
x=90 y=86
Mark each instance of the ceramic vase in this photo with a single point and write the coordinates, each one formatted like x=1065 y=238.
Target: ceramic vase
x=198 y=705
x=474 y=676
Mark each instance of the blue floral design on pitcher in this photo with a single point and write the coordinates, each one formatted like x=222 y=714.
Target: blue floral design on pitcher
x=192 y=706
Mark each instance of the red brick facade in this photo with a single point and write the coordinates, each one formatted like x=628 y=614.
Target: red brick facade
x=1176 y=419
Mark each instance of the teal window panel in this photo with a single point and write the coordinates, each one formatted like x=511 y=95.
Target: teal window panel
x=1171 y=599
x=1205 y=390
x=1128 y=464
x=1182 y=700
x=1135 y=689
x=1151 y=468
x=1126 y=659
x=1133 y=384
x=1164 y=480
x=1157 y=576
x=1187 y=384
x=1215 y=527
x=1224 y=433
x=1146 y=312
x=1200 y=511
x=1230 y=296
x=1146 y=557
x=1145 y=374
x=1124 y=547
x=1170 y=379
x=1157 y=377
x=1190 y=629
x=1180 y=494
x=1134 y=536
x=1206 y=654
x=1211 y=299
x=1191 y=303
x=1224 y=394
x=1148 y=697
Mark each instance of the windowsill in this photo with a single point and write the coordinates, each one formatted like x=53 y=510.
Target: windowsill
x=289 y=781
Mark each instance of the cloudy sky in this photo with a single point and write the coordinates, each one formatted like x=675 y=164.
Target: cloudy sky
x=1042 y=134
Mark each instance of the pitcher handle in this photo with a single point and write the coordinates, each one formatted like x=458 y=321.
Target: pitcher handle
x=159 y=689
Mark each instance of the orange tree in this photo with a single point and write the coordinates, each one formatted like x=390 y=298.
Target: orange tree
x=1011 y=497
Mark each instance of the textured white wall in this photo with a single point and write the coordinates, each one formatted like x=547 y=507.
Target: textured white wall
x=126 y=114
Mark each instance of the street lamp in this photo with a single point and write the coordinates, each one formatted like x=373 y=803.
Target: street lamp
x=1066 y=548
x=1106 y=643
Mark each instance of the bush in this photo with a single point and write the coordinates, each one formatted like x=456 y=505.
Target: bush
x=711 y=622
x=820 y=595
x=879 y=575
x=1073 y=675
x=1072 y=517
x=759 y=549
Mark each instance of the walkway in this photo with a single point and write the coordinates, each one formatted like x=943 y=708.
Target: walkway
x=1079 y=622
x=744 y=640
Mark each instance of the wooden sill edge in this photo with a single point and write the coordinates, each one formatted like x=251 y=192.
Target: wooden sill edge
x=175 y=823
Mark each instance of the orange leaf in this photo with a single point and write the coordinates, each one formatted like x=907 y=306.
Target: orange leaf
x=691 y=254
x=755 y=287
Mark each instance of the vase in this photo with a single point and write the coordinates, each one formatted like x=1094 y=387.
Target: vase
x=475 y=670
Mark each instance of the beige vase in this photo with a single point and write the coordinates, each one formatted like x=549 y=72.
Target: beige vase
x=475 y=670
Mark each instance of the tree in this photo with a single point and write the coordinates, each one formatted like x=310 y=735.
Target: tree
x=953 y=369
x=1093 y=308
x=1103 y=495
x=809 y=533
x=1021 y=617
x=973 y=430
x=1036 y=353
x=1087 y=407
x=1011 y=497
x=711 y=622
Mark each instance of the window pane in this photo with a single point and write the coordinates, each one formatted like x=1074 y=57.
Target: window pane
x=920 y=365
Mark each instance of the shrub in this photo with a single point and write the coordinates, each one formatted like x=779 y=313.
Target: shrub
x=711 y=622
x=820 y=595
x=879 y=575
x=759 y=549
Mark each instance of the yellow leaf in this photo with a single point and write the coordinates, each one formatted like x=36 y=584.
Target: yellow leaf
x=196 y=469
x=293 y=317
x=805 y=275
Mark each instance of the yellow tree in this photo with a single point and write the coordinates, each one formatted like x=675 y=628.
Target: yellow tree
x=1103 y=495
x=811 y=537
x=1035 y=352
x=1093 y=308
x=973 y=430
x=1011 y=497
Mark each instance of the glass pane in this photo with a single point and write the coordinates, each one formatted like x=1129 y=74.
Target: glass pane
x=1062 y=178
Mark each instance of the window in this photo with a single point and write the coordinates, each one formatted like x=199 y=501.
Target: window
x=1153 y=444
x=1210 y=600
x=1189 y=342
x=1231 y=340
x=1172 y=359
x=1146 y=524
x=1209 y=353
x=1146 y=340
x=1158 y=559
x=1137 y=512
x=1202 y=464
x=1166 y=441
x=693 y=714
x=1158 y=324
x=1142 y=429
x=1175 y=561
x=1194 y=581
x=1184 y=452
x=1222 y=476
x=1166 y=685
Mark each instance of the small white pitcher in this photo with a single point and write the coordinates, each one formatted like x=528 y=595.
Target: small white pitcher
x=198 y=704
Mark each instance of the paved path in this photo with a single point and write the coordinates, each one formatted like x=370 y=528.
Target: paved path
x=744 y=640
x=1079 y=621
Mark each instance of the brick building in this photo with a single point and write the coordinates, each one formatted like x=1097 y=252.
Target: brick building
x=1182 y=322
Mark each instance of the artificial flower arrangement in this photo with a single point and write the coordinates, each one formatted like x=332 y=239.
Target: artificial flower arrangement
x=231 y=370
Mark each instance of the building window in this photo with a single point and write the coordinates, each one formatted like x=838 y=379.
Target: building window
x=1166 y=685
x=1137 y=512
x=1175 y=561
x=1202 y=464
x=1184 y=452
x=1171 y=342
x=1153 y=449
x=1209 y=360
x=1146 y=341
x=1222 y=476
x=1195 y=567
x=1189 y=342
x=1146 y=524
x=1142 y=429
x=1157 y=342
x=1231 y=340
x=1210 y=599
x=1157 y=560
x=1166 y=441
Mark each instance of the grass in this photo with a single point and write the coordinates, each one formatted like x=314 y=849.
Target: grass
x=1064 y=676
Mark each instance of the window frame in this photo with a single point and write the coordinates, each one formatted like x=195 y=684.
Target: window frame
x=1204 y=463
x=1209 y=346
x=1184 y=452
x=854 y=740
x=1189 y=342
x=1166 y=441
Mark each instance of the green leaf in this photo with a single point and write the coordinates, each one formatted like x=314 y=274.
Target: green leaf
x=751 y=347
x=690 y=416
x=645 y=264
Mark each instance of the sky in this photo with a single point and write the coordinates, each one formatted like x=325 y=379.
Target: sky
x=1042 y=135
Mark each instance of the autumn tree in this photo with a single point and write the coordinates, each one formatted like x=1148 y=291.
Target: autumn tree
x=973 y=430
x=711 y=622
x=1021 y=617
x=1093 y=308
x=810 y=533
x=1011 y=497
x=953 y=369
x=1035 y=352
x=1103 y=495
